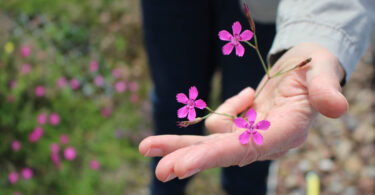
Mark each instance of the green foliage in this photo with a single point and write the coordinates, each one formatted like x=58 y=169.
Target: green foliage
x=64 y=37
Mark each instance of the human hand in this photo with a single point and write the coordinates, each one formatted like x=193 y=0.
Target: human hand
x=289 y=102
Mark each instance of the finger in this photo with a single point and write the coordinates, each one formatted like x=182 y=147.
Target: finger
x=164 y=144
x=223 y=151
x=323 y=81
x=233 y=106
x=165 y=169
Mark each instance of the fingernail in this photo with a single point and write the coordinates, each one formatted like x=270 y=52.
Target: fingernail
x=244 y=91
x=170 y=177
x=154 y=152
x=190 y=173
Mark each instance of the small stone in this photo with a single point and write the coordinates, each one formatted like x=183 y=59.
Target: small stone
x=326 y=165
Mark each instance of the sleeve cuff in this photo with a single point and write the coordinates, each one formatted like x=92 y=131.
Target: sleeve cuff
x=335 y=40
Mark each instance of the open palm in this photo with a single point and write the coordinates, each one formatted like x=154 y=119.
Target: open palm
x=290 y=102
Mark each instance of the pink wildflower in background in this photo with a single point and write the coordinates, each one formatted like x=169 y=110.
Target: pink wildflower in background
x=25 y=68
x=17 y=193
x=235 y=39
x=55 y=148
x=74 y=84
x=120 y=86
x=116 y=73
x=11 y=98
x=94 y=66
x=54 y=119
x=13 y=177
x=56 y=160
x=42 y=119
x=12 y=84
x=39 y=91
x=61 y=82
x=64 y=139
x=70 y=153
x=99 y=80
x=25 y=51
x=133 y=86
x=251 y=129
x=27 y=173
x=134 y=98
x=106 y=112
x=35 y=135
x=94 y=165
x=16 y=145
x=191 y=103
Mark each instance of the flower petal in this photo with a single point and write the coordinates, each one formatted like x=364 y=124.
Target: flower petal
x=263 y=125
x=183 y=112
x=246 y=35
x=241 y=123
x=240 y=50
x=192 y=114
x=193 y=93
x=244 y=137
x=257 y=138
x=251 y=116
x=200 y=104
x=182 y=98
x=227 y=48
x=225 y=35
x=236 y=27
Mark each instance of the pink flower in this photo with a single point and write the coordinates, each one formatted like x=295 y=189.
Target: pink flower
x=234 y=40
x=16 y=145
x=251 y=129
x=120 y=86
x=70 y=153
x=25 y=68
x=54 y=119
x=94 y=165
x=94 y=66
x=42 y=119
x=106 y=112
x=27 y=173
x=12 y=84
x=98 y=80
x=35 y=135
x=25 y=51
x=13 y=177
x=56 y=160
x=191 y=103
x=39 y=91
x=64 y=139
x=134 y=98
x=116 y=73
x=11 y=98
x=61 y=82
x=133 y=86
x=17 y=193
x=74 y=84
x=55 y=148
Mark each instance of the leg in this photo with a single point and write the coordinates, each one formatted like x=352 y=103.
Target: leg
x=239 y=73
x=177 y=37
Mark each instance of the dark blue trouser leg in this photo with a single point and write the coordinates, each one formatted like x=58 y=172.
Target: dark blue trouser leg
x=183 y=50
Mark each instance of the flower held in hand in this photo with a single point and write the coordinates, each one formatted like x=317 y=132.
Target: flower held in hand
x=191 y=103
x=234 y=40
x=251 y=128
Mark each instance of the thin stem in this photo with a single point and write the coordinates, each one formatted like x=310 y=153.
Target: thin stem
x=218 y=113
x=261 y=88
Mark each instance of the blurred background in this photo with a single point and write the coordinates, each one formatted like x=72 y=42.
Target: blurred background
x=74 y=105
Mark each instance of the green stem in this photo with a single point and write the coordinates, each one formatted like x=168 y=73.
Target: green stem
x=218 y=113
x=261 y=88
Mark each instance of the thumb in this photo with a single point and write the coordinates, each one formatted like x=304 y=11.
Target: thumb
x=323 y=82
x=233 y=106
